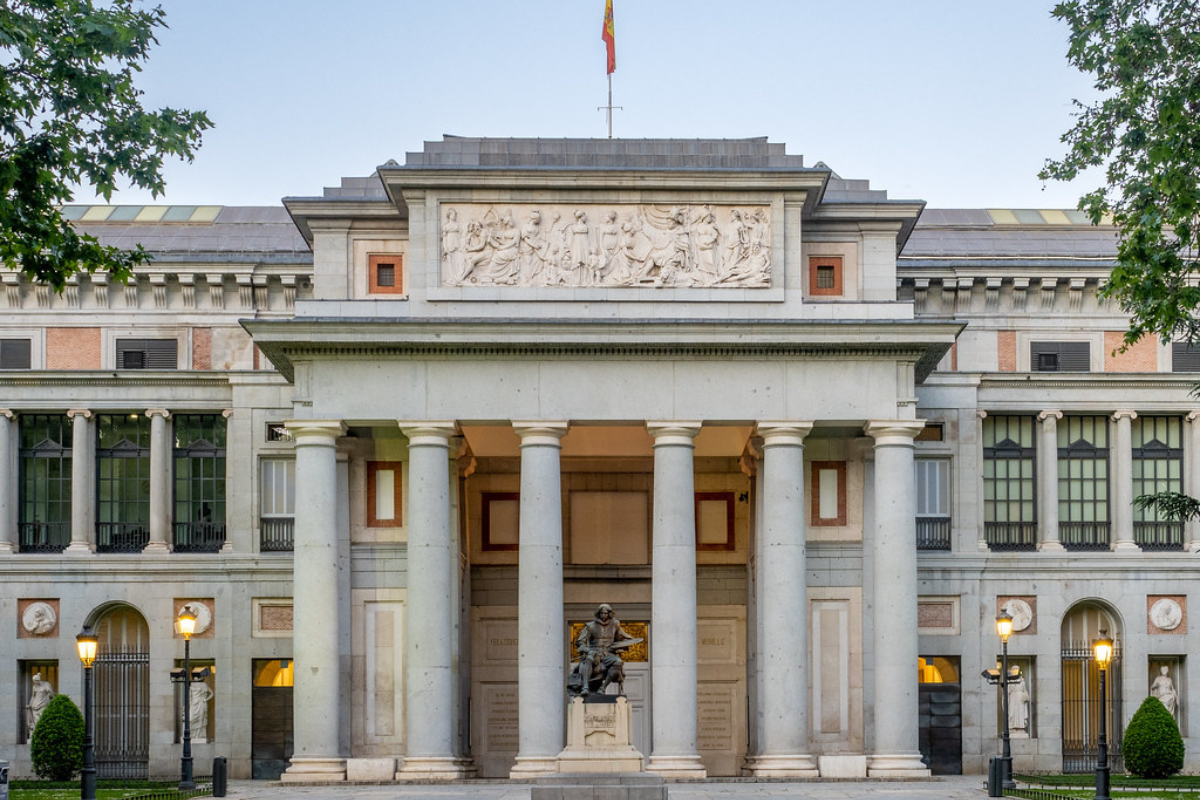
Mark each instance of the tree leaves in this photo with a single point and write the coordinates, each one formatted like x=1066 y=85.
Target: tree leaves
x=70 y=114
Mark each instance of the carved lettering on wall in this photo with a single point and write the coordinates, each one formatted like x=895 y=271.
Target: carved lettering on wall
x=555 y=245
x=714 y=717
x=502 y=730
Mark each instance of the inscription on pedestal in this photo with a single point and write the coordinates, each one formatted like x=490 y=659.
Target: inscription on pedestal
x=714 y=718
x=599 y=723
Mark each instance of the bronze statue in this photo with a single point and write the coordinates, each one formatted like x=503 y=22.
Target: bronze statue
x=599 y=665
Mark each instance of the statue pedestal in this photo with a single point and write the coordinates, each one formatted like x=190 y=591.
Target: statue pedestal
x=599 y=737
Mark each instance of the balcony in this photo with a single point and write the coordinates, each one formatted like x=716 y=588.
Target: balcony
x=1010 y=536
x=43 y=537
x=122 y=537
x=199 y=537
x=1158 y=536
x=277 y=534
x=1083 y=536
x=933 y=533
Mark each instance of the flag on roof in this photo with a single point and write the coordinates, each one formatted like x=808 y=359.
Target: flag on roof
x=609 y=37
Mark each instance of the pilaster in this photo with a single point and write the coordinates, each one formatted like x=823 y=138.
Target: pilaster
x=160 y=482
x=9 y=437
x=1047 y=461
x=83 y=482
x=1122 y=484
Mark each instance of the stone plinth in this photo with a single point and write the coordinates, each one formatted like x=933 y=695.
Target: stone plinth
x=599 y=737
x=584 y=786
x=371 y=770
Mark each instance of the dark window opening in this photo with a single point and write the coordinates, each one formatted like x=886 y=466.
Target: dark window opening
x=825 y=279
x=386 y=275
x=147 y=354
x=1060 y=356
x=15 y=354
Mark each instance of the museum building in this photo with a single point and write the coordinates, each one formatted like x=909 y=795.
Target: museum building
x=393 y=444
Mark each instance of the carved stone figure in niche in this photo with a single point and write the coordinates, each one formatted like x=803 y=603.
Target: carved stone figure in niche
x=533 y=248
x=40 y=695
x=599 y=664
x=452 y=243
x=1164 y=689
x=199 y=696
x=39 y=618
x=1018 y=706
x=707 y=237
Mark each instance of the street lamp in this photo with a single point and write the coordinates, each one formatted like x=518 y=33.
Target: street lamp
x=185 y=626
x=87 y=643
x=1102 y=648
x=1004 y=627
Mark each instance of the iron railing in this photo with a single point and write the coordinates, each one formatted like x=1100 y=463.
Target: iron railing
x=277 y=534
x=933 y=533
x=122 y=715
x=121 y=537
x=1081 y=709
x=1158 y=535
x=199 y=537
x=1084 y=535
x=43 y=537
x=1008 y=536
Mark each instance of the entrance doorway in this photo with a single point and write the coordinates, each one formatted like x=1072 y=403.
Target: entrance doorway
x=940 y=714
x=122 y=674
x=1081 y=700
x=271 y=727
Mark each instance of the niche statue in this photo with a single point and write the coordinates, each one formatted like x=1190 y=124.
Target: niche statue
x=599 y=665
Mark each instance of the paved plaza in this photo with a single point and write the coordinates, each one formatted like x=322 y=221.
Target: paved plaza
x=949 y=788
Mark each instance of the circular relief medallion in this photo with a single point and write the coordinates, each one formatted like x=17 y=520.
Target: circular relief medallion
x=203 y=615
x=39 y=618
x=1021 y=613
x=1166 y=614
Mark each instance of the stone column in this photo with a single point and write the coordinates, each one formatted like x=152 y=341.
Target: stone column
x=161 y=470
x=428 y=650
x=83 y=482
x=540 y=627
x=1122 y=484
x=1191 y=477
x=977 y=478
x=9 y=437
x=234 y=499
x=316 y=634
x=894 y=600
x=1047 y=462
x=783 y=606
x=673 y=603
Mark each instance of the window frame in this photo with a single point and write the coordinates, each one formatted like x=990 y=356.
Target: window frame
x=838 y=288
x=374 y=261
x=50 y=535
x=373 y=470
x=128 y=345
x=199 y=535
x=815 y=468
x=125 y=535
x=1073 y=500
x=10 y=343
x=1010 y=534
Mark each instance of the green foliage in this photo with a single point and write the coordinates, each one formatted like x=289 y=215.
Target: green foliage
x=57 y=744
x=1169 y=505
x=1145 y=133
x=1153 y=747
x=70 y=115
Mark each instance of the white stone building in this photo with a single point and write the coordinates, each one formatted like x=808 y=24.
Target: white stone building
x=394 y=441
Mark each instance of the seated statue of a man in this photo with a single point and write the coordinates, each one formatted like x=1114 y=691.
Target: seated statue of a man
x=598 y=661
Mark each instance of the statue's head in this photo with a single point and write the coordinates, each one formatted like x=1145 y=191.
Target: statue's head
x=604 y=612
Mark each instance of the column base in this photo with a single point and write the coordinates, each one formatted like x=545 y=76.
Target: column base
x=677 y=766
x=1051 y=547
x=1126 y=546
x=530 y=767
x=6 y=547
x=315 y=770
x=898 y=765
x=156 y=547
x=796 y=765
x=422 y=768
x=78 y=549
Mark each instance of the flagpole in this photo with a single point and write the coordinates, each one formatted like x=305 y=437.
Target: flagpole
x=610 y=105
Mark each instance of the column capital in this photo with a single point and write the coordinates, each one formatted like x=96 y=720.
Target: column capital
x=673 y=433
x=778 y=432
x=541 y=433
x=79 y=412
x=891 y=432
x=315 y=431
x=981 y=414
x=8 y=413
x=1124 y=414
x=227 y=413
x=158 y=412
x=1192 y=416
x=428 y=433
x=1045 y=415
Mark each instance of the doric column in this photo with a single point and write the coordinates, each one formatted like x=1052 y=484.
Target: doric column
x=160 y=482
x=1047 y=461
x=1191 y=477
x=894 y=600
x=429 y=729
x=783 y=606
x=83 y=483
x=1122 y=484
x=540 y=631
x=316 y=633
x=673 y=603
x=8 y=481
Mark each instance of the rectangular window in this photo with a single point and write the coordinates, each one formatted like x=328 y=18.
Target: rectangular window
x=825 y=275
x=277 y=504
x=15 y=354
x=501 y=523
x=933 y=503
x=386 y=274
x=1157 y=467
x=1083 y=521
x=1060 y=356
x=147 y=354
x=1009 y=483
x=714 y=521
x=199 y=483
x=123 y=483
x=44 y=516
x=1185 y=357
x=383 y=493
x=277 y=432
x=828 y=492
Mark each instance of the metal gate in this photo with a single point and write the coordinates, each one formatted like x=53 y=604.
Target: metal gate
x=1081 y=705
x=940 y=715
x=122 y=715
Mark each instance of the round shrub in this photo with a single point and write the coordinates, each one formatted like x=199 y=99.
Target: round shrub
x=57 y=745
x=1153 y=747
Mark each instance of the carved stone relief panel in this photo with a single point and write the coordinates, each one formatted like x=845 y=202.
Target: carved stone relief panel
x=628 y=245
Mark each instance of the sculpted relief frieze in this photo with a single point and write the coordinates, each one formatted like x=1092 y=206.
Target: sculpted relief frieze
x=605 y=245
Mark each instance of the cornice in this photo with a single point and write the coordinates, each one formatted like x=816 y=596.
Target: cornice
x=110 y=378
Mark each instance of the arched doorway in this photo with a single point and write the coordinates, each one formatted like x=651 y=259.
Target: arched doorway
x=1081 y=700
x=122 y=699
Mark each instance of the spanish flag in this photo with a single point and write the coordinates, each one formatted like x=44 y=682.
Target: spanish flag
x=609 y=37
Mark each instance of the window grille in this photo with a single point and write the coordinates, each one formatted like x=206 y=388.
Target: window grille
x=147 y=354
x=1060 y=356
x=15 y=354
x=44 y=517
x=1009 y=483
x=1083 y=507
x=277 y=501
x=1157 y=467
x=933 y=503
x=199 y=483
x=123 y=483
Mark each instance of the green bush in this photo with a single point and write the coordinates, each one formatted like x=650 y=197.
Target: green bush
x=57 y=745
x=1153 y=747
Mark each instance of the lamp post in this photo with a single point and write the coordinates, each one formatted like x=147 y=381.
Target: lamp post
x=1004 y=627
x=1102 y=648
x=87 y=642
x=185 y=626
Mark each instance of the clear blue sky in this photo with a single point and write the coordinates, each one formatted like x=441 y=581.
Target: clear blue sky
x=957 y=103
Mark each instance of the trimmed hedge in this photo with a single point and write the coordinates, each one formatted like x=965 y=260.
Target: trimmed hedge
x=1153 y=747
x=57 y=744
